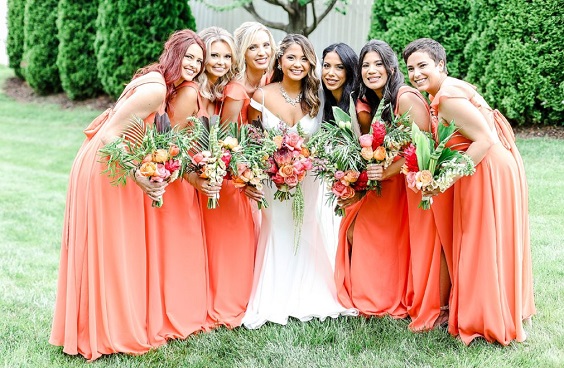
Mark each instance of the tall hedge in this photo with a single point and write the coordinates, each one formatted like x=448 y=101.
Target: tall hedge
x=76 y=60
x=131 y=34
x=522 y=72
x=15 y=41
x=400 y=22
x=39 y=60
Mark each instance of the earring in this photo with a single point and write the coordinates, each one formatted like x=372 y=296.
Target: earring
x=279 y=67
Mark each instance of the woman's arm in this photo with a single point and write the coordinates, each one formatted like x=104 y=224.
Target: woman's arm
x=184 y=105
x=471 y=124
x=231 y=110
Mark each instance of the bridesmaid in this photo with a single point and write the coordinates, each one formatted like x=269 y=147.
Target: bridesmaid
x=372 y=263
x=492 y=288
x=117 y=288
x=229 y=228
x=339 y=76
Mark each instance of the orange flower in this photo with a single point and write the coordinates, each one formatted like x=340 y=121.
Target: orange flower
x=366 y=153
x=148 y=169
x=160 y=155
x=278 y=141
x=305 y=152
x=380 y=153
x=173 y=150
x=286 y=171
x=351 y=176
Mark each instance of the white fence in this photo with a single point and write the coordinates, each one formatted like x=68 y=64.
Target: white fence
x=351 y=28
x=3 y=31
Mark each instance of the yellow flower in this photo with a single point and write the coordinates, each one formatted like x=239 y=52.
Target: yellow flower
x=160 y=155
x=148 y=169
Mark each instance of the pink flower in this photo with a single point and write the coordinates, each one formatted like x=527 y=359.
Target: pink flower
x=172 y=165
x=241 y=167
x=161 y=175
x=342 y=191
x=298 y=166
x=226 y=157
x=366 y=140
x=272 y=167
x=198 y=158
x=292 y=181
x=283 y=157
x=339 y=175
x=294 y=141
x=307 y=163
x=412 y=181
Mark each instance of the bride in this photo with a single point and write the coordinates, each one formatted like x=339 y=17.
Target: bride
x=290 y=283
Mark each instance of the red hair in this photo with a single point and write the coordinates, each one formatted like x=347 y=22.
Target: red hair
x=170 y=61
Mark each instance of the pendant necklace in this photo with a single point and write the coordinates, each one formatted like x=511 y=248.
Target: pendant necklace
x=288 y=99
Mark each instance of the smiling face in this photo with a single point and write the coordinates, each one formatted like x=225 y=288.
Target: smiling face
x=333 y=73
x=219 y=60
x=423 y=73
x=294 y=63
x=374 y=74
x=259 y=52
x=192 y=62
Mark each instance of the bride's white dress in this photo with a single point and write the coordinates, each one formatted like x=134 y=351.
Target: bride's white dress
x=300 y=284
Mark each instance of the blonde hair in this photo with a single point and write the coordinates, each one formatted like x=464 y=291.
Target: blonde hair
x=310 y=103
x=244 y=36
x=215 y=91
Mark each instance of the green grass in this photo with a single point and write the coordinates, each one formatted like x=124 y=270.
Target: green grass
x=37 y=145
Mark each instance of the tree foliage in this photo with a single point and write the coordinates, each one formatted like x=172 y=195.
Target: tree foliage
x=400 y=22
x=130 y=34
x=39 y=60
x=510 y=49
x=298 y=12
x=76 y=60
x=15 y=41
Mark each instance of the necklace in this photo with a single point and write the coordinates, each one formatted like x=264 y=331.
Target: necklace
x=288 y=99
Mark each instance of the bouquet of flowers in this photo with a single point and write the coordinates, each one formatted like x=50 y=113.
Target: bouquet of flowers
x=211 y=152
x=384 y=143
x=287 y=167
x=156 y=150
x=337 y=160
x=429 y=166
x=249 y=164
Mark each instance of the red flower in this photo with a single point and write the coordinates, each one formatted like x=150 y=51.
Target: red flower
x=172 y=165
x=411 y=158
x=378 y=134
x=361 y=182
x=226 y=157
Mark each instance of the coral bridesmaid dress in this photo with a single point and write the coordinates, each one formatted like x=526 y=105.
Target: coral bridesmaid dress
x=492 y=289
x=177 y=261
x=102 y=292
x=372 y=273
x=231 y=242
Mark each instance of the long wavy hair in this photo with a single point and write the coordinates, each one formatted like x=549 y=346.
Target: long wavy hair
x=209 y=36
x=170 y=61
x=244 y=36
x=350 y=61
x=394 y=82
x=310 y=102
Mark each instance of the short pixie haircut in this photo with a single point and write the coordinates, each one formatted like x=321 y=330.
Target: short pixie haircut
x=435 y=50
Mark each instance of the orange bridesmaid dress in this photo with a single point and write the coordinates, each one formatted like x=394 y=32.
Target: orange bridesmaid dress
x=429 y=231
x=231 y=243
x=102 y=293
x=177 y=262
x=492 y=289
x=372 y=273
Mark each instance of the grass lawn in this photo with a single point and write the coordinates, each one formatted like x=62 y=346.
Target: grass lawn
x=37 y=145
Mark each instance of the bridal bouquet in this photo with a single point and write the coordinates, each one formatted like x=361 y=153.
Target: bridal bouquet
x=337 y=159
x=211 y=152
x=156 y=150
x=429 y=166
x=384 y=143
x=249 y=164
x=287 y=167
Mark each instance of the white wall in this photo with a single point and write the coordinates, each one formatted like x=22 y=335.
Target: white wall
x=3 y=31
x=351 y=28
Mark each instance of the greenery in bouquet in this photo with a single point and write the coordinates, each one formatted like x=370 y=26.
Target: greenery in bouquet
x=211 y=151
x=287 y=167
x=156 y=150
x=337 y=160
x=385 y=142
x=249 y=164
x=430 y=166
